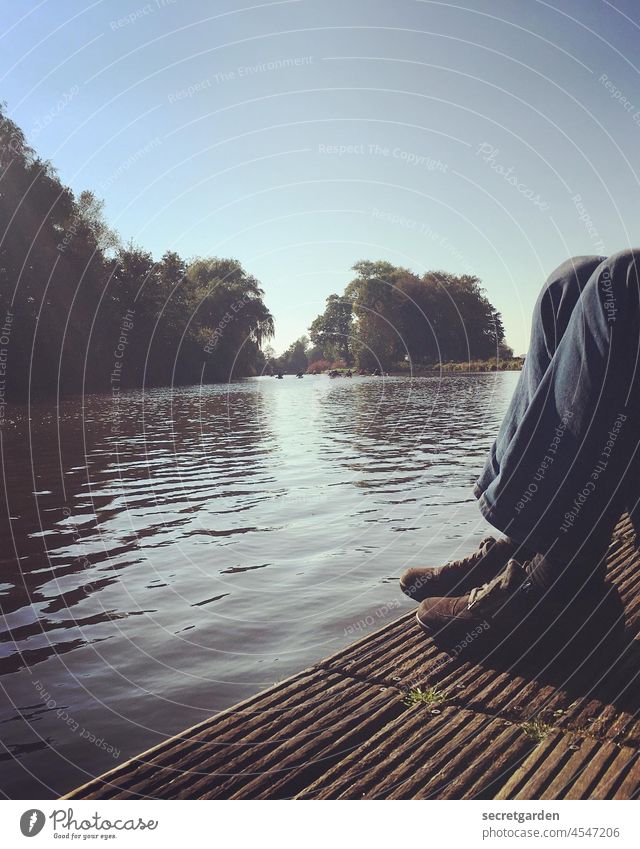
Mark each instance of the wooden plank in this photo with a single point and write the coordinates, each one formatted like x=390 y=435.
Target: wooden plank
x=565 y=766
x=203 y=735
x=454 y=754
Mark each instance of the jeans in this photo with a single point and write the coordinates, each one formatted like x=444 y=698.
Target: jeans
x=564 y=465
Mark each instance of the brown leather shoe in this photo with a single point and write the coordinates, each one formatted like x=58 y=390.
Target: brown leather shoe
x=459 y=576
x=501 y=604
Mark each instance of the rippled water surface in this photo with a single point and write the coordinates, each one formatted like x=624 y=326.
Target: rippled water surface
x=172 y=554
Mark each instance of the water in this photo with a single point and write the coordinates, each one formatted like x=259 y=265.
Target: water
x=173 y=553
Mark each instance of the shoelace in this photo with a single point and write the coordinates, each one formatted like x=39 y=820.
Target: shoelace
x=512 y=578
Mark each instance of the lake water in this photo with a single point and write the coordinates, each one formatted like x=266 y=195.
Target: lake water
x=173 y=553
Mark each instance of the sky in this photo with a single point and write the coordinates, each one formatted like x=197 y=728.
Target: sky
x=491 y=137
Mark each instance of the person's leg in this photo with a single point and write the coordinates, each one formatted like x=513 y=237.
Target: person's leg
x=560 y=472
x=551 y=316
x=562 y=468
x=557 y=477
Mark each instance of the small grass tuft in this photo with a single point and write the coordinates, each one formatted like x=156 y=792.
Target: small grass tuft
x=536 y=729
x=430 y=696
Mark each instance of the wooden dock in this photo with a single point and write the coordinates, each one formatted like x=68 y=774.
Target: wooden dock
x=521 y=722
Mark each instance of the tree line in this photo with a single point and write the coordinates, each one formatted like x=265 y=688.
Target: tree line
x=79 y=309
x=81 y=312
x=388 y=316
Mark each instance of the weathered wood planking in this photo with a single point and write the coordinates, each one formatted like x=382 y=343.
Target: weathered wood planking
x=540 y=724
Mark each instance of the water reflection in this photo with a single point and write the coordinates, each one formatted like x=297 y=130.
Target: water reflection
x=169 y=555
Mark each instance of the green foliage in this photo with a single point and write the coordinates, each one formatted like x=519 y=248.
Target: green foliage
x=431 y=696
x=374 y=294
x=390 y=315
x=505 y=352
x=295 y=358
x=536 y=729
x=514 y=364
x=331 y=331
x=72 y=288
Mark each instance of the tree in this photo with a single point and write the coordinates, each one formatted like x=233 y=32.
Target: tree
x=69 y=289
x=374 y=295
x=331 y=331
x=37 y=282
x=231 y=321
x=505 y=352
x=295 y=358
x=89 y=219
x=439 y=316
x=467 y=325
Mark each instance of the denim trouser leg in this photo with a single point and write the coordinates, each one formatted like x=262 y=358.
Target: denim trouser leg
x=561 y=470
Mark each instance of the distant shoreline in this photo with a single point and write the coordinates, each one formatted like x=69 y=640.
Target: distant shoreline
x=470 y=367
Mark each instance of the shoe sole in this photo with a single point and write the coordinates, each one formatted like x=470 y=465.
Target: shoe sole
x=424 y=628
x=453 y=629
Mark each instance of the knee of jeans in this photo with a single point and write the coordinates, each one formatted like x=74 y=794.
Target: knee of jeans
x=562 y=289
x=619 y=279
x=572 y=275
x=625 y=265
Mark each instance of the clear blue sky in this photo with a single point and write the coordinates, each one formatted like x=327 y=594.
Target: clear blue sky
x=467 y=132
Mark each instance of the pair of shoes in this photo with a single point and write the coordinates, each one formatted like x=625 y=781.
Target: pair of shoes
x=454 y=601
x=459 y=576
x=501 y=604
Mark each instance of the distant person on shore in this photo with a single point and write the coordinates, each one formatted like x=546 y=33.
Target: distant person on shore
x=563 y=467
